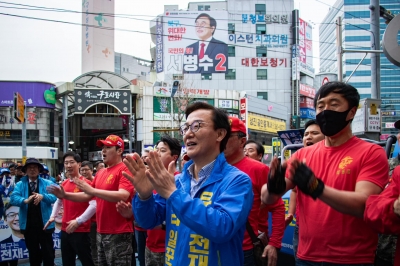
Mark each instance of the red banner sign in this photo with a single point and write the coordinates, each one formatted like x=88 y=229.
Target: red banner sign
x=306 y=102
x=307 y=91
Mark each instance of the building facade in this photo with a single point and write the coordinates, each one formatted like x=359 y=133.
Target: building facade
x=357 y=35
x=42 y=128
x=247 y=53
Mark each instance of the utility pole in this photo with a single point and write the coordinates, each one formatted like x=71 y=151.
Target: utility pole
x=24 y=149
x=339 y=48
x=375 y=45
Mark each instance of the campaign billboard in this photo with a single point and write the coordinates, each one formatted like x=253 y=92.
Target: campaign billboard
x=195 y=42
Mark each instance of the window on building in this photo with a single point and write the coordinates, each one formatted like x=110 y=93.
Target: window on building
x=262 y=74
x=261 y=51
x=261 y=29
x=231 y=51
x=262 y=95
x=231 y=74
x=206 y=76
x=127 y=69
x=177 y=77
x=200 y=8
x=123 y=69
x=143 y=73
x=260 y=9
x=231 y=28
x=207 y=8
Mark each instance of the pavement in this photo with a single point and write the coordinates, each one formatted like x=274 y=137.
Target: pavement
x=57 y=261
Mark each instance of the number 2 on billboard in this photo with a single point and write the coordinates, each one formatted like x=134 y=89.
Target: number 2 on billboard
x=220 y=66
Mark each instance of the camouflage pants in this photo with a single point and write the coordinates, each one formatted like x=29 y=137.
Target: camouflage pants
x=114 y=249
x=154 y=258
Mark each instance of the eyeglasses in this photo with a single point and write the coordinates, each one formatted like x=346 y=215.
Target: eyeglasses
x=194 y=127
x=12 y=215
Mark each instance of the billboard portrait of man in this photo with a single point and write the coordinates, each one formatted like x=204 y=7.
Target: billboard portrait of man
x=207 y=55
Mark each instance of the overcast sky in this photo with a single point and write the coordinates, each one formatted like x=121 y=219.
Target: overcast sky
x=50 y=51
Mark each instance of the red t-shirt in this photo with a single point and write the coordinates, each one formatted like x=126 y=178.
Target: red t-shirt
x=277 y=211
x=327 y=235
x=156 y=240
x=109 y=221
x=257 y=172
x=379 y=213
x=72 y=209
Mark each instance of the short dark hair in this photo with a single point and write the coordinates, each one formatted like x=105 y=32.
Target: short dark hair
x=97 y=163
x=259 y=147
x=219 y=118
x=173 y=145
x=6 y=207
x=213 y=22
x=310 y=123
x=347 y=91
x=13 y=165
x=76 y=156
x=87 y=163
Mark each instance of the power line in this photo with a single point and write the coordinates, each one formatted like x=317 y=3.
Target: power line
x=135 y=31
x=38 y=8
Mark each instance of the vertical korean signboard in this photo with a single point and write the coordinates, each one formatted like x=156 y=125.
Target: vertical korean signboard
x=195 y=42
x=159 y=45
x=97 y=35
x=302 y=41
x=243 y=110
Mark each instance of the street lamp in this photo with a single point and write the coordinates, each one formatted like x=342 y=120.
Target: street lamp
x=71 y=142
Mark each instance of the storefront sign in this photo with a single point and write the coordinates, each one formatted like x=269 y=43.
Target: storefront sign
x=307 y=113
x=16 y=135
x=307 y=91
x=267 y=18
x=35 y=94
x=95 y=156
x=189 y=92
x=264 y=62
x=306 y=102
x=268 y=40
x=388 y=113
x=265 y=123
x=228 y=104
x=85 y=98
x=243 y=110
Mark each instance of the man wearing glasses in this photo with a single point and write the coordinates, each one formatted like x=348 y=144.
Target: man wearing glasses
x=205 y=207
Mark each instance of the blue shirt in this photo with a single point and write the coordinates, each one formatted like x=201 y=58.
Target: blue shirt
x=204 y=173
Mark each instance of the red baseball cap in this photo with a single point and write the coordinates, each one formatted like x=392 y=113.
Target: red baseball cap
x=237 y=125
x=111 y=140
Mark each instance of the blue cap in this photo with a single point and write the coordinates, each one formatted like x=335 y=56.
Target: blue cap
x=4 y=170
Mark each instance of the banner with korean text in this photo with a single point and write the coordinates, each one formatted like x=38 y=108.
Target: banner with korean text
x=195 y=42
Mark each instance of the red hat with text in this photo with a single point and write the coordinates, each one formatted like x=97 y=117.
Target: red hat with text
x=110 y=141
x=237 y=125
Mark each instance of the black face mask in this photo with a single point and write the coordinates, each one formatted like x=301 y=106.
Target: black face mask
x=332 y=122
